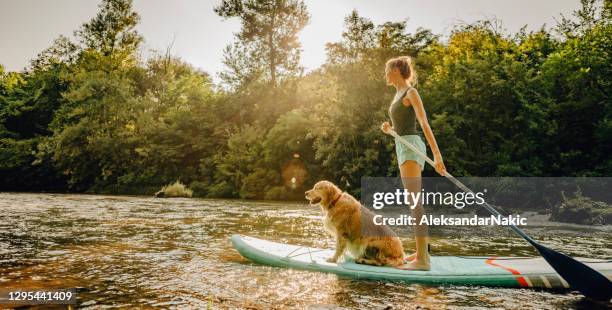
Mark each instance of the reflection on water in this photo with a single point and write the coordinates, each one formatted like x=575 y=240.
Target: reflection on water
x=144 y=252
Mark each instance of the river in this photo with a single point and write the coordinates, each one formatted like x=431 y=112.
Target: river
x=134 y=251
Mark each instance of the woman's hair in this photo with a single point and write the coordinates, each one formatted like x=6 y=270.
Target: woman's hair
x=406 y=68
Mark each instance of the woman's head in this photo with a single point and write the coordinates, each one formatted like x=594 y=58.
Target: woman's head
x=398 y=69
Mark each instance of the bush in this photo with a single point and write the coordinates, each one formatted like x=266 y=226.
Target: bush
x=177 y=189
x=277 y=193
x=582 y=210
x=199 y=188
x=221 y=189
x=256 y=184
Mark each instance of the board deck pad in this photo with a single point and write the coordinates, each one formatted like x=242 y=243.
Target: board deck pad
x=454 y=270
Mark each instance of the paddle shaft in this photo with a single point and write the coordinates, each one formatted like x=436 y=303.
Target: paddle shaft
x=580 y=276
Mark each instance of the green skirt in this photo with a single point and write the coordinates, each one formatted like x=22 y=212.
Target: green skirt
x=404 y=153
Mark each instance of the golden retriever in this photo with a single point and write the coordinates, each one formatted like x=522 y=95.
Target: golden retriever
x=353 y=227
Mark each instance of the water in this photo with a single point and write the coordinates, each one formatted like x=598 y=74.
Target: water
x=124 y=251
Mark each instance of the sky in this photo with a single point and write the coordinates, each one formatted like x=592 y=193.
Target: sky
x=198 y=35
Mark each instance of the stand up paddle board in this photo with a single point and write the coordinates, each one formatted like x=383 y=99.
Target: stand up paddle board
x=454 y=270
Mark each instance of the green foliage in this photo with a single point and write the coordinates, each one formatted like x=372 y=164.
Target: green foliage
x=578 y=74
x=267 y=42
x=257 y=183
x=289 y=137
x=93 y=116
x=347 y=138
x=176 y=189
x=579 y=209
x=199 y=188
x=242 y=157
x=112 y=30
x=483 y=101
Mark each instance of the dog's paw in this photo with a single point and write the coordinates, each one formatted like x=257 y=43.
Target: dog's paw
x=360 y=261
x=331 y=260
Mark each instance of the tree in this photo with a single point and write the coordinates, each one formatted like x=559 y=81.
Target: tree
x=362 y=41
x=578 y=74
x=61 y=52
x=87 y=144
x=268 y=38
x=242 y=158
x=489 y=110
x=590 y=13
x=358 y=37
x=112 y=30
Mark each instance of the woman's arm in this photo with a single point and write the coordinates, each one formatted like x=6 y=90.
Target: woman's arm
x=413 y=98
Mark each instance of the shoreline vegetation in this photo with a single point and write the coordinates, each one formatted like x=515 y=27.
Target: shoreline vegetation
x=90 y=115
x=579 y=209
x=176 y=189
x=574 y=209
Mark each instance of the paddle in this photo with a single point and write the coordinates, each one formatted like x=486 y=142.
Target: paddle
x=579 y=276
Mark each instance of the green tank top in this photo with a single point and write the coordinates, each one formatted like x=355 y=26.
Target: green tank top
x=403 y=118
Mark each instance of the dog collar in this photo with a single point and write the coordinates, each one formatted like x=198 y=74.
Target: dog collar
x=335 y=200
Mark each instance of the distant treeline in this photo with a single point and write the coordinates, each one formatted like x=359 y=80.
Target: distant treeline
x=90 y=114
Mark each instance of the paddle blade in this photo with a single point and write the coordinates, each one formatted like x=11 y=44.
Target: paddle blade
x=579 y=276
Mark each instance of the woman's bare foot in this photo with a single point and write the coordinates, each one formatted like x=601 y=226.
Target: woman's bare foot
x=417 y=264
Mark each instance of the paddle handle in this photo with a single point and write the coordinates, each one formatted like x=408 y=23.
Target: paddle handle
x=457 y=183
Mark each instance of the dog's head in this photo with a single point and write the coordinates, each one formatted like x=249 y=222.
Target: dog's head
x=323 y=193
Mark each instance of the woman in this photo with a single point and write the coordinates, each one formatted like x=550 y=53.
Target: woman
x=406 y=108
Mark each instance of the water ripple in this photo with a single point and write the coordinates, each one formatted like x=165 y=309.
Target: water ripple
x=125 y=251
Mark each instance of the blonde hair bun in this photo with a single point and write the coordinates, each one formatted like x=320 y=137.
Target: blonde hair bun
x=405 y=66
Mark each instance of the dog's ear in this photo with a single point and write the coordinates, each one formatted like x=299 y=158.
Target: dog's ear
x=331 y=190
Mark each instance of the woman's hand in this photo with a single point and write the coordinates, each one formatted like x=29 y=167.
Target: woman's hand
x=439 y=164
x=386 y=128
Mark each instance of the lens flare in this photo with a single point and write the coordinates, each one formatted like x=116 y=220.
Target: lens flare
x=293 y=180
x=294 y=173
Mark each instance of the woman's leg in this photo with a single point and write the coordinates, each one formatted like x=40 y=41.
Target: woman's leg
x=410 y=172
